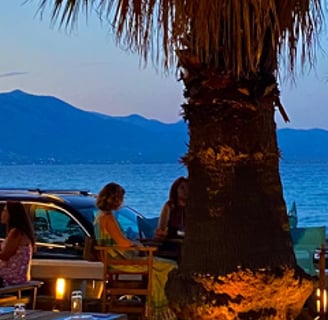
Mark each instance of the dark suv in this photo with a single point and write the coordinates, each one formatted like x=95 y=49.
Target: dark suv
x=64 y=218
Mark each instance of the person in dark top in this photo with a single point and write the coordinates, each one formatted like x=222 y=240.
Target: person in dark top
x=172 y=218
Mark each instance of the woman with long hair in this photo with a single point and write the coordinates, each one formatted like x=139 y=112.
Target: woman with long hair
x=172 y=218
x=17 y=248
x=108 y=232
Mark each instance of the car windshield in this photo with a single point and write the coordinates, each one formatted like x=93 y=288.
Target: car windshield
x=125 y=216
x=127 y=219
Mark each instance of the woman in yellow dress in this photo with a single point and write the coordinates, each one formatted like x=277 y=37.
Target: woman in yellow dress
x=108 y=232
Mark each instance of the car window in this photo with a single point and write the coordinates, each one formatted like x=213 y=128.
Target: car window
x=57 y=234
x=128 y=222
x=55 y=226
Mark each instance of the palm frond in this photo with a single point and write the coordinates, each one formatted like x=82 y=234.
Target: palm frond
x=233 y=35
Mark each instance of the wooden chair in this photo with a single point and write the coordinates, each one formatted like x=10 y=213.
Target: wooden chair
x=17 y=290
x=121 y=283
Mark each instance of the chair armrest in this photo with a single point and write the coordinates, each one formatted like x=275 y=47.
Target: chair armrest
x=28 y=285
x=133 y=248
x=150 y=242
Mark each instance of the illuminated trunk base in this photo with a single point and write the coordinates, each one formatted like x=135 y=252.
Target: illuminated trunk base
x=243 y=295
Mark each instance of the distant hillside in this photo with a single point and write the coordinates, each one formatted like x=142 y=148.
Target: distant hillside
x=303 y=144
x=43 y=129
x=46 y=129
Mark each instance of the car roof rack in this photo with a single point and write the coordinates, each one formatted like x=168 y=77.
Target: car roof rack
x=62 y=191
x=9 y=190
x=47 y=191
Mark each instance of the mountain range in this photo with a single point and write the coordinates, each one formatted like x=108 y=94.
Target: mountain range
x=44 y=129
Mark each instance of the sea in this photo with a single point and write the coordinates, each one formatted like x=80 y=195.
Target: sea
x=147 y=185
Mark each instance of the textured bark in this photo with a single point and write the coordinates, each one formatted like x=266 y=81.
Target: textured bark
x=237 y=259
x=244 y=295
x=235 y=191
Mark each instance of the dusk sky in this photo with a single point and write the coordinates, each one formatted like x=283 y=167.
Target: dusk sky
x=85 y=69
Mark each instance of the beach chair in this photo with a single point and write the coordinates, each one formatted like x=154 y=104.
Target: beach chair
x=305 y=242
x=127 y=281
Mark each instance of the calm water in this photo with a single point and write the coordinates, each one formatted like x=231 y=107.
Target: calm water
x=147 y=185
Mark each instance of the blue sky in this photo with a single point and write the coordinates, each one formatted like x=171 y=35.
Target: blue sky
x=85 y=68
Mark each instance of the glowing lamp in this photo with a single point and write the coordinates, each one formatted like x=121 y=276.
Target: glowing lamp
x=60 y=288
x=320 y=298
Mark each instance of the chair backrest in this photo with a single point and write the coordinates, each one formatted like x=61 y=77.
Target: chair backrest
x=147 y=227
x=292 y=216
x=127 y=271
x=89 y=252
x=305 y=242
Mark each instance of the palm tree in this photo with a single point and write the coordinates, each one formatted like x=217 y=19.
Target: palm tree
x=237 y=259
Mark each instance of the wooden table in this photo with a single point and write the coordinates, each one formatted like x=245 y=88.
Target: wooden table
x=51 y=315
x=169 y=254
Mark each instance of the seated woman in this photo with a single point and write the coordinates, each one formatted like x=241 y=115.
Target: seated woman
x=108 y=232
x=171 y=223
x=16 y=249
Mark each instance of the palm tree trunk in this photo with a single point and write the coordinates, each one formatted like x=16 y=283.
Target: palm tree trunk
x=237 y=259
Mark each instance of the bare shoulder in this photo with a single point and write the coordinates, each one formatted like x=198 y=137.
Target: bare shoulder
x=14 y=237
x=168 y=205
x=166 y=209
x=18 y=236
x=14 y=233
